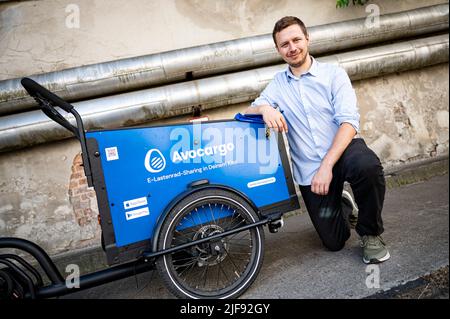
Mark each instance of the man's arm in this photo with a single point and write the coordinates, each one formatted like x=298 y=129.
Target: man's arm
x=347 y=117
x=272 y=117
x=322 y=179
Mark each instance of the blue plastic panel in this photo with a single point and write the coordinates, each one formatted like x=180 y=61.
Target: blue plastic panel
x=145 y=168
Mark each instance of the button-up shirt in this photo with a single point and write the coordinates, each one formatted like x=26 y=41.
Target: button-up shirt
x=314 y=106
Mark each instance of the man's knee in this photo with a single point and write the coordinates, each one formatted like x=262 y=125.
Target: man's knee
x=369 y=167
x=334 y=245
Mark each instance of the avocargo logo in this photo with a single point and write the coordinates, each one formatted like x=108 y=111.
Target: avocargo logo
x=221 y=149
x=154 y=161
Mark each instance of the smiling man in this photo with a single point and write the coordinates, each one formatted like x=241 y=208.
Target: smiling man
x=321 y=119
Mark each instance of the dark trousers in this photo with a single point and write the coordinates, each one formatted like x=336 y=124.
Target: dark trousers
x=360 y=167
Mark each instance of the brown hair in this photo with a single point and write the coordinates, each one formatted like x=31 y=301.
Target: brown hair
x=285 y=22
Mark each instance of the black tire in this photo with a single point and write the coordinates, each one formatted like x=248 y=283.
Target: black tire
x=221 y=269
x=11 y=286
x=6 y=285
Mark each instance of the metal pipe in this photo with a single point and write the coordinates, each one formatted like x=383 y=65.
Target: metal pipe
x=30 y=128
x=191 y=63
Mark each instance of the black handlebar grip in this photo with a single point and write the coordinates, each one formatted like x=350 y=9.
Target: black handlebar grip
x=36 y=90
x=47 y=102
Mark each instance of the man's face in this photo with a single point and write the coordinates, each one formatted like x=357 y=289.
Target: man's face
x=292 y=45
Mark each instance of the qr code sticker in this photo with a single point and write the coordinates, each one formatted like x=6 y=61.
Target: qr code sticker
x=111 y=153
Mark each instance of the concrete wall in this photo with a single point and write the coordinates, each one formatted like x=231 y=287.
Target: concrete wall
x=43 y=195
x=34 y=37
x=405 y=116
x=36 y=202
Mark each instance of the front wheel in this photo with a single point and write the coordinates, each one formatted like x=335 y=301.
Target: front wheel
x=221 y=268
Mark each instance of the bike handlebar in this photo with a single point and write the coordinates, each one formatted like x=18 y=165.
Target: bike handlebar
x=47 y=102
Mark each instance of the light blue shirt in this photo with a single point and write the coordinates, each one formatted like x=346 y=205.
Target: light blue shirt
x=314 y=106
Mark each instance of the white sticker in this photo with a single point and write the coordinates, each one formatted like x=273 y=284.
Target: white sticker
x=135 y=202
x=261 y=182
x=141 y=212
x=111 y=153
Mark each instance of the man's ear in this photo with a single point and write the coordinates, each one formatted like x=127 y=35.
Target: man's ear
x=276 y=47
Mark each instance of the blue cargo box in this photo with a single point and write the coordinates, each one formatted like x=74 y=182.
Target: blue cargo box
x=138 y=173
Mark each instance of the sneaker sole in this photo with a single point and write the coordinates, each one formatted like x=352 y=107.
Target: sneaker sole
x=377 y=261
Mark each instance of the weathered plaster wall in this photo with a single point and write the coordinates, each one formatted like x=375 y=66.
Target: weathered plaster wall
x=37 y=203
x=34 y=37
x=405 y=116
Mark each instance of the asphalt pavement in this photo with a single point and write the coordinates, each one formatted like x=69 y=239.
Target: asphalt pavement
x=297 y=266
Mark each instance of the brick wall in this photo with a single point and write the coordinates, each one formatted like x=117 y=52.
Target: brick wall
x=82 y=197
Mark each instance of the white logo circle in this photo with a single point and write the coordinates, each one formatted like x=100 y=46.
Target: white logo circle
x=154 y=161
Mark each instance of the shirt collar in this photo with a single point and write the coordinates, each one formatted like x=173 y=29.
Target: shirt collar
x=313 y=70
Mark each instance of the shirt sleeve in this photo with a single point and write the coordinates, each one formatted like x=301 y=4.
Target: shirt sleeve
x=268 y=96
x=344 y=100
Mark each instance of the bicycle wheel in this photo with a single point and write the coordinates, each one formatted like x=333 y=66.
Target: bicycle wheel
x=221 y=268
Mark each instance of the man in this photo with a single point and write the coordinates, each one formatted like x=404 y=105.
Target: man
x=321 y=119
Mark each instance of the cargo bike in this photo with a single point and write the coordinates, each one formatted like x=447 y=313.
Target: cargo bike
x=188 y=199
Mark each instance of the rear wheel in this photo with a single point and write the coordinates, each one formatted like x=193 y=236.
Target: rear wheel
x=221 y=268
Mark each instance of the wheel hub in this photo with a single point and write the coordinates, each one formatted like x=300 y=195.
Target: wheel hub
x=213 y=252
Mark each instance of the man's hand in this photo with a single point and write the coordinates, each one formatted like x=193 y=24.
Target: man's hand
x=320 y=183
x=272 y=117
